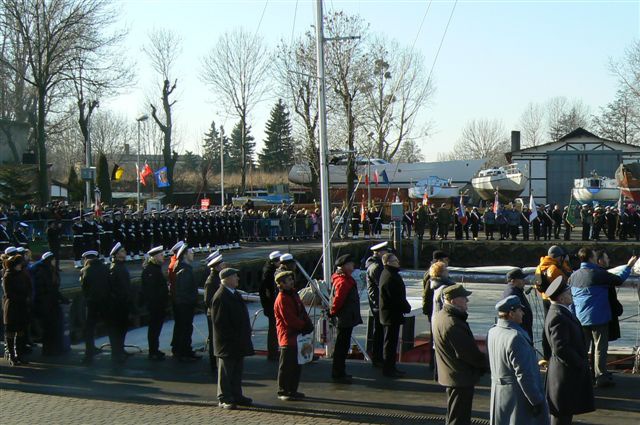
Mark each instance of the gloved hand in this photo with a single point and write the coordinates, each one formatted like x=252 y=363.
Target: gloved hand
x=536 y=409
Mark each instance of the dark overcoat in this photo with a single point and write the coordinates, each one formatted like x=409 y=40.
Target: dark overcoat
x=211 y=286
x=393 y=297
x=232 y=329
x=154 y=287
x=94 y=280
x=16 y=286
x=569 y=387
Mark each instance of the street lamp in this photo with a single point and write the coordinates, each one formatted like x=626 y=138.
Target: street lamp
x=141 y=118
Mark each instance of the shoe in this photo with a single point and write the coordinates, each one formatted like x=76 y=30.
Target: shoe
x=284 y=397
x=244 y=401
x=297 y=396
x=226 y=406
x=604 y=382
x=158 y=355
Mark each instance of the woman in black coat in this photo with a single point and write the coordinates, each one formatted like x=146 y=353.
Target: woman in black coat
x=47 y=302
x=15 y=306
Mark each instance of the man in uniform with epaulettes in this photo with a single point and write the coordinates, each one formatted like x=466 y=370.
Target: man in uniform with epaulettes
x=91 y=233
x=105 y=234
x=147 y=232
x=205 y=236
x=167 y=232
x=222 y=229
x=236 y=229
x=156 y=228
x=78 y=241
x=181 y=225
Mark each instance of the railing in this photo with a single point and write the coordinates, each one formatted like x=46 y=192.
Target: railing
x=267 y=229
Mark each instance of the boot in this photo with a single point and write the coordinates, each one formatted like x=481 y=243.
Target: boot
x=21 y=349
x=10 y=351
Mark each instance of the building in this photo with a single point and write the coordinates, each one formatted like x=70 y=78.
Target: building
x=552 y=167
x=13 y=141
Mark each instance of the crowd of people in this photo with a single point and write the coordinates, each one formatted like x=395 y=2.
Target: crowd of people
x=581 y=311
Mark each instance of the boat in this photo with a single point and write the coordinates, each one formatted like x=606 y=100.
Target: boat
x=596 y=190
x=262 y=198
x=401 y=175
x=509 y=181
x=435 y=187
x=628 y=179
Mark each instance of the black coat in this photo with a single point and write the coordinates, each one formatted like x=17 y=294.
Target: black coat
x=569 y=387
x=527 y=319
x=94 y=280
x=393 y=297
x=231 y=325
x=155 y=291
x=47 y=298
x=119 y=284
x=268 y=290
x=211 y=286
x=15 y=301
x=374 y=270
x=186 y=286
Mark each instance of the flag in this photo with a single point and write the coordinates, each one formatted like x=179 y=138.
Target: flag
x=425 y=197
x=571 y=212
x=366 y=179
x=620 y=204
x=363 y=216
x=496 y=204
x=462 y=217
x=117 y=172
x=161 y=177
x=533 y=208
x=376 y=177
x=146 y=171
x=385 y=179
x=98 y=204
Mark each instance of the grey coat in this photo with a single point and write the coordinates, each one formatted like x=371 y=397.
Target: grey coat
x=516 y=384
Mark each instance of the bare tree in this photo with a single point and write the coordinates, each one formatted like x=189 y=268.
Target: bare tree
x=396 y=92
x=564 y=116
x=236 y=69
x=410 y=152
x=110 y=133
x=627 y=69
x=163 y=50
x=52 y=33
x=481 y=139
x=532 y=124
x=620 y=119
x=347 y=74
x=295 y=70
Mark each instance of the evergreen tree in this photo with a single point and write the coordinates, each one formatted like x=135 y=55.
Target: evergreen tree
x=211 y=148
x=75 y=186
x=15 y=185
x=620 y=119
x=191 y=160
x=240 y=158
x=104 y=179
x=279 y=148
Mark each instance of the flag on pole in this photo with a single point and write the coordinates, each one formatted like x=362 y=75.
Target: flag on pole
x=385 y=179
x=117 y=172
x=462 y=217
x=496 y=204
x=533 y=208
x=425 y=197
x=363 y=215
x=620 y=204
x=146 y=171
x=98 y=204
x=571 y=213
x=376 y=177
x=366 y=179
x=161 y=177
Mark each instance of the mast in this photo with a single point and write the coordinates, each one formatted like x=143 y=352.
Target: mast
x=324 y=169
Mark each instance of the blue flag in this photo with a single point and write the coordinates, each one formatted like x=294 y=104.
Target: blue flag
x=462 y=217
x=161 y=177
x=385 y=178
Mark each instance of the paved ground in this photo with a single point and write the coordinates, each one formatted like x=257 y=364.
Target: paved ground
x=143 y=392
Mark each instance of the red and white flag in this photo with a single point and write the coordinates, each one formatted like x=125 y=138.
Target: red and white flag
x=146 y=171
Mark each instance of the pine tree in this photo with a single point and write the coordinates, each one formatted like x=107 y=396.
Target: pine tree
x=75 y=187
x=15 y=185
x=104 y=179
x=279 y=147
x=239 y=160
x=211 y=148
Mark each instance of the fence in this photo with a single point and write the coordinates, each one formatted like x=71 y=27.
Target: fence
x=269 y=229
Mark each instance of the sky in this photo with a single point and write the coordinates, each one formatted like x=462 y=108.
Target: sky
x=496 y=56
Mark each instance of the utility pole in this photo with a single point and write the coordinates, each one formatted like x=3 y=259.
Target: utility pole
x=221 y=171
x=140 y=119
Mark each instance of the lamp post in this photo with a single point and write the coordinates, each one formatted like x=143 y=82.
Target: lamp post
x=221 y=172
x=141 y=118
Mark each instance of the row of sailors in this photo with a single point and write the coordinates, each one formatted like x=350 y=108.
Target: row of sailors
x=138 y=232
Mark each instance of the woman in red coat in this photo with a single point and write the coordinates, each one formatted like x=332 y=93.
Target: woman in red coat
x=291 y=320
x=15 y=302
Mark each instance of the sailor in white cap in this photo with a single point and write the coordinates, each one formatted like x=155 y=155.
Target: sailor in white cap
x=20 y=236
x=211 y=285
x=5 y=240
x=10 y=250
x=78 y=241
x=268 y=293
x=374 y=270
x=94 y=281
x=156 y=298
x=184 y=305
x=120 y=284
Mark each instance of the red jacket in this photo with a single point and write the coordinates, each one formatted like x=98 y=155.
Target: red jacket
x=342 y=285
x=173 y=264
x=291 y=317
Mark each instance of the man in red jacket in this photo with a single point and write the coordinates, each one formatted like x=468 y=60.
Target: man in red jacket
x=345 y=307
x=291 y=320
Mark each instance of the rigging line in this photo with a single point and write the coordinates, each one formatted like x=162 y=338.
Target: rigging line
x=295 y=15
x=264 y=9
x=441 y=41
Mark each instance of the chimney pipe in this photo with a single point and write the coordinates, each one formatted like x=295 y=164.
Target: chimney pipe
x=515 y=141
